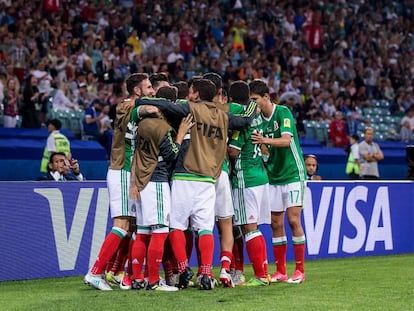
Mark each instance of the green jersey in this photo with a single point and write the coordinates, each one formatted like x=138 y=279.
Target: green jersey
x=285 y=164
x=249 y=170
x=130 y=135
x=237 y=109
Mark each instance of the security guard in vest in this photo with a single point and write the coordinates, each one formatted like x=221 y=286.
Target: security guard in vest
x=352 y=166
x=56 y=142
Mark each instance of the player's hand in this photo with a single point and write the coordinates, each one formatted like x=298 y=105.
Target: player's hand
x=186 y=124
x=257 y=138
x=134 y=193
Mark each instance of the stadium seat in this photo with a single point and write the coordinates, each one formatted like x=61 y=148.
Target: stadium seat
x=309 y=129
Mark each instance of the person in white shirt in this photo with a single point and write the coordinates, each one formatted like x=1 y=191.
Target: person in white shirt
x=407 y=125
x=62 y=100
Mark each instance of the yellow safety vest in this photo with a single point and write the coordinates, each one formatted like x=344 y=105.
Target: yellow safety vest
x=352 y=166
x=62 y=145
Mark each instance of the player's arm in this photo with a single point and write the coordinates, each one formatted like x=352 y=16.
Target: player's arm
x=238 y=122
x=167 y=107
x=283 y=141
x=169 y=148
x=236 y=144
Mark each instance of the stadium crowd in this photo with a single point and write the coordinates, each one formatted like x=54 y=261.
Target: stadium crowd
x=336 y=55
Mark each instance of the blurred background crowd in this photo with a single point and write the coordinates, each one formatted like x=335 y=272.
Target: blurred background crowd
x=340 y=65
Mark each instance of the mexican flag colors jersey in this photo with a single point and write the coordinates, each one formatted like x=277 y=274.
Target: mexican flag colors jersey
x=249 y=170
x=285 y=164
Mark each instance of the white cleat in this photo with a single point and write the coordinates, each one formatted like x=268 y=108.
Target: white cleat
x=96 y=281
x=161 y=286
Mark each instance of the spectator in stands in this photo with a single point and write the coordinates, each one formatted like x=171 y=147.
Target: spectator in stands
x=61 y=169
x=311 y=164
x=337 y=132
x=56 y=142
x=103 y=67
x=91 y=124
x=351 y=124
x=31 y=106
x=11 y=103
x=44 y=80
x=369 y=155
x=352 y=166
x=84 y=98
x=19 y=56
x=63 y=99
x=407 y=125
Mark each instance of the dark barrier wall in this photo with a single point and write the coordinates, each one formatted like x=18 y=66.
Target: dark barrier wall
x=53 y=229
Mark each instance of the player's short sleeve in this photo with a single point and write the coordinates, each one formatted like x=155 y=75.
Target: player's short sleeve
x=287 y=122
x=238 y=139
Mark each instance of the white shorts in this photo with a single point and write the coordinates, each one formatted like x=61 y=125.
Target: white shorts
x=194 y=201
x=223 y=206
x=251 y=205
x=285 y=196
x=155 y=204
x=118 y=188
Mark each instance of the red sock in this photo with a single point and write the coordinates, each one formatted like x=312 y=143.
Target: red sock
x=111 y=261
x=279 y=251
x=264 y=255
x=139 y=251
x=206 y=245
x=154 y=256
x=108 y=249
x=226 y=259
x=177 y=240
x=121 y=256
x=299 y=250
x=254 y=248
x=168 y=258
x=189 y=242
x=238 y=253
x=131 y=245
x=197 y=248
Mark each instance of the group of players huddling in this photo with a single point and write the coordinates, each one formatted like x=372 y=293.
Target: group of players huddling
x=188 y=159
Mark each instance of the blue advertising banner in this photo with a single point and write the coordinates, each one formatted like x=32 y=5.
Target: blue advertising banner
x=50 y=229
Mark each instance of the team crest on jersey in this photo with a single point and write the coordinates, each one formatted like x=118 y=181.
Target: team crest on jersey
x=286 y=122
x=275 y=126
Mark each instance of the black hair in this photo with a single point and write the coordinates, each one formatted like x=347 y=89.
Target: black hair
x=156 y=78
x=205 y=88
x=167 y=92
x=134 y=80
x=183 y=89
x=215 y=78
x=258 y=87
x=239 y=92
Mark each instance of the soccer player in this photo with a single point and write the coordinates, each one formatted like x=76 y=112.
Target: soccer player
x=287 y=175
x=123 y=147
x=197 y=168
x=159 y=80
x=223 y=206
x=155 y=154
x=250 y=187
